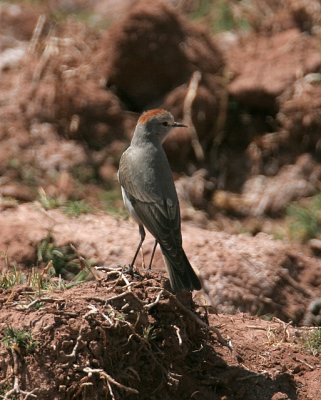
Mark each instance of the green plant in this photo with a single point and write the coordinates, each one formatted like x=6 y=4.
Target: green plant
x=48 y=202
x=18 y=339
x=11 y=277
x=219 y=15
x=305 y=221
x=64 y=260
x=74 y=208
x=36 y=279
x=149 y=333
x=313 y=342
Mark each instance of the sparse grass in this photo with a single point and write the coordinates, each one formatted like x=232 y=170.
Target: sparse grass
x=63 y=269
x=74 y=208
x=34 y=278
x=313 y=342
x=46 y=201
x=149 y=333
x=11 y=278
x=219 y=15
x=39 y=280
x=305 y=221
x=18 y=339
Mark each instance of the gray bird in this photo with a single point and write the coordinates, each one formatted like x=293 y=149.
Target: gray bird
x=150 y=196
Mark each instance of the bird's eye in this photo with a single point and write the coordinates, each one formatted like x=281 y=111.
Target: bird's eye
x=165 y=123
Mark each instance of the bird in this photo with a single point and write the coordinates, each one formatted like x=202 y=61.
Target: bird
x=149 y=194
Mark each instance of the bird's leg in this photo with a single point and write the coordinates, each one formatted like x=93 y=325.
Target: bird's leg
x=153 y=252
x=142 y=238
x=143 y=258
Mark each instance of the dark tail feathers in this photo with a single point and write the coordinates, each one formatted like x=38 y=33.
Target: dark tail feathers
x=182 y=275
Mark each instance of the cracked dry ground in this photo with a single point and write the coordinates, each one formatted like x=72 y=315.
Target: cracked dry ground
x=119 y=337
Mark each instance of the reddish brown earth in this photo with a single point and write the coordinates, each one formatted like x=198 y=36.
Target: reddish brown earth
x=102 y=338
x=72 y=86
x=239 y=273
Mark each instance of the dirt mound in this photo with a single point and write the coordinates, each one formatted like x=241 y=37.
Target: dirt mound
x=133 y=338
x=65 y=88
x=152 y=51
x=300 y=114
x=271 y=16
x=111 y=340
x=260 y=276
x=132 y=54
x=54 y=111
x=150 y=58
x=36 y=156
x=265 y=195
x=264 y=67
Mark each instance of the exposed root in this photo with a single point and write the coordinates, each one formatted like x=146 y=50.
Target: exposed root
x=154 y=303
x=72 y=356
x=180 y=342
x=109 y=379
x=16 y=390
x=227 y=343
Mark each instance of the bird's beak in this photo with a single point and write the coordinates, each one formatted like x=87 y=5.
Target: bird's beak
x=178 y=125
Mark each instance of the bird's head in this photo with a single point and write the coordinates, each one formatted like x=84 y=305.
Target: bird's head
x=157 y=123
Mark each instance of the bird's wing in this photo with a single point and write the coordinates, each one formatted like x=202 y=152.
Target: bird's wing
x=162 y=219
x=124 y=177
x=160 y=215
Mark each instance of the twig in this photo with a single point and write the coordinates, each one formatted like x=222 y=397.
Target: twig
x=37 y=33
x=154 y=303
x=108 y=269
x=127 y=283
x=180 y=342
x=187 y=110
x=122 y=295
x=41 y=299
x=259 y=328
x=72 y=355
x=305 y=363
x=110 y=390
x=109 y=379
x=106 y=301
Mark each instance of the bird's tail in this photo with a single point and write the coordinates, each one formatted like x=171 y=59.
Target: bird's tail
x=181 y=274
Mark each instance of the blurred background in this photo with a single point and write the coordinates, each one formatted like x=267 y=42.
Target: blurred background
x=244 y=75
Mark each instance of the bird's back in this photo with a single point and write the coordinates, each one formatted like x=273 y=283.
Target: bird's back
x=144 y=173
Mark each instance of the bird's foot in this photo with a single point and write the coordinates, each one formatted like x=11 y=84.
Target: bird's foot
x=129 y=269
